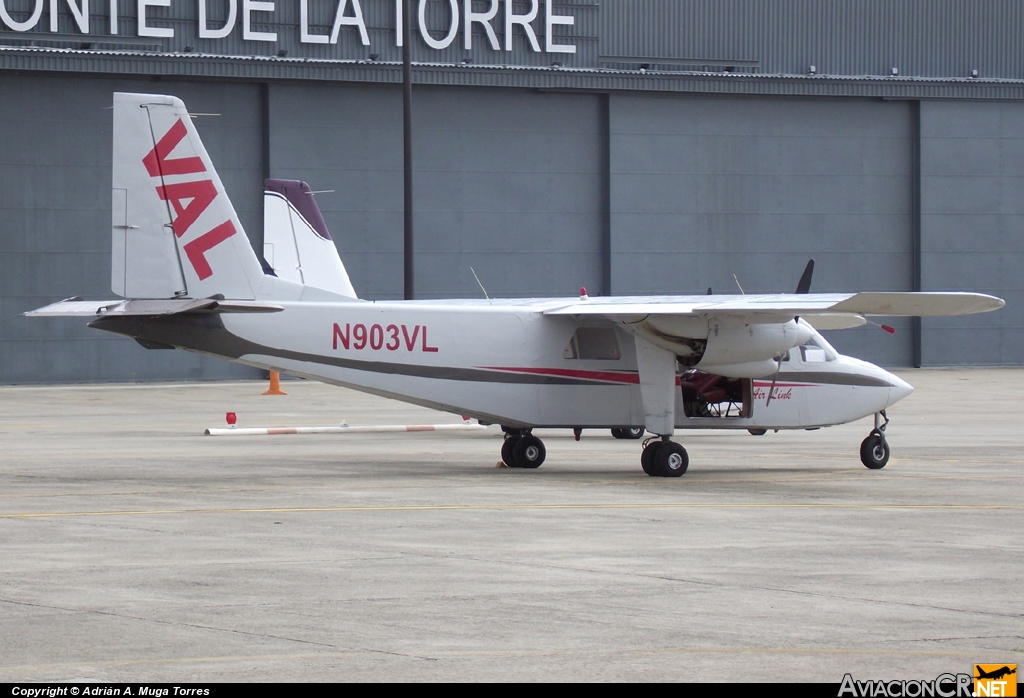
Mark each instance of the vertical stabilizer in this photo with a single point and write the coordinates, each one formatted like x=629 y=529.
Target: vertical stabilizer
x=175 y=233
x=296 y=243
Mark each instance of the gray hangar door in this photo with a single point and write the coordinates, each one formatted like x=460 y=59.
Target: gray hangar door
x=706 y=187
x=972 y=227
x=55 y=173
x=507 y=182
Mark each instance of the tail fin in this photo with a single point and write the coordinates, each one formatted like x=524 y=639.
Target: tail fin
x=175 y=233
x=296 y=243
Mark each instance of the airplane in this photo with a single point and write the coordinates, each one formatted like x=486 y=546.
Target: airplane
x=995 y=674
x=189 y=279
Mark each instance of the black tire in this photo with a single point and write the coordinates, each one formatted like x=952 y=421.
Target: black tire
x=628 y=432
x=507 y=451
x=874 y=451
x=647 y=457
x=671 y=460
x=757 y=432
x=529 y=452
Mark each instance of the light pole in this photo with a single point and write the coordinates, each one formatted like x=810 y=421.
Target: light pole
x=407 y=136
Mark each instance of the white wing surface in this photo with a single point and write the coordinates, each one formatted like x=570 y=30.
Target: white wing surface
x=782 y=307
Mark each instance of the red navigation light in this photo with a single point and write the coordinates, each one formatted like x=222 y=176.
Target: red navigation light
x=231 y=418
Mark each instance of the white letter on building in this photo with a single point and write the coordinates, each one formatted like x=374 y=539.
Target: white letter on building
x=28 y=23
x=550 y=20
x=304 y=36
x=453 y=30
x=354 y=21
x=523 y=21
x=207 y=33
x=144 y=29
x=248 y=7
x=81 y=15
x=483 y=18
x=398 y=23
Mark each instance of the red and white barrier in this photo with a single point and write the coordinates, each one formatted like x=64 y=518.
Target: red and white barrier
x=340 y=429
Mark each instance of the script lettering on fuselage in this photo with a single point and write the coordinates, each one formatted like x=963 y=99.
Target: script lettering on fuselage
x=381 y=337
x=188 y=199
x=779 y=394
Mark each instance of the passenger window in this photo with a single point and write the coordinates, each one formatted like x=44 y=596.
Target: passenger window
x=593 y=343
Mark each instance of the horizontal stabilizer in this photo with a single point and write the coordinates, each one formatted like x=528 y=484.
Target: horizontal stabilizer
x=151 y=308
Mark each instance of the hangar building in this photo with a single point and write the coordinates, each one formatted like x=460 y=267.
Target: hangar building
x=629 y=146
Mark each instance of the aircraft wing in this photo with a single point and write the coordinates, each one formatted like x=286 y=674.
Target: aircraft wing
x=832 y=310
x=76 y=307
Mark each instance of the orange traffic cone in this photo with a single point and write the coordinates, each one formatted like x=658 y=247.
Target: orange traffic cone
x=275 y=384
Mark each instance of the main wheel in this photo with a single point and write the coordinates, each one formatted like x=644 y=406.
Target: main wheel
x=529 y=452
x=647 y=457
x=507 y=451
x=671 y=460
x=874 y=451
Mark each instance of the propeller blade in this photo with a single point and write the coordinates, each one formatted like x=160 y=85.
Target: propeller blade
x=805 y=281
x=771 y=391
x=709 y=290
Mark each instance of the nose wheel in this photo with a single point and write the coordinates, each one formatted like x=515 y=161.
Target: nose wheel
x=663 y=458
x=874 y=450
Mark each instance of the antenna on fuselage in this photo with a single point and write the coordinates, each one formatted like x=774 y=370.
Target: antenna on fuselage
x=480 y=285
x=738 y=285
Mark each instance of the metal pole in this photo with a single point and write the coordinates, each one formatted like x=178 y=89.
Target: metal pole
x=407 y=156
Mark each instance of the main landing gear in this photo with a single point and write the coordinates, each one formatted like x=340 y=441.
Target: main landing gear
x=521 y=449
x=664 y=458
x=874 y=450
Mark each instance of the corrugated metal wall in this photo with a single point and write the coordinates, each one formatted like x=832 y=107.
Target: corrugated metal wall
x=935 y=38
x=499 y=176
x=55 y=221
x=972 y=227
x=706 y=187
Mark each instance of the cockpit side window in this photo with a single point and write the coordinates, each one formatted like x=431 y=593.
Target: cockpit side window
x=817 y=351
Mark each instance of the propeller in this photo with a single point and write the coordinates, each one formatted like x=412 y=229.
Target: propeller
x=771 y=391
x=805 y=280
x=803 y=286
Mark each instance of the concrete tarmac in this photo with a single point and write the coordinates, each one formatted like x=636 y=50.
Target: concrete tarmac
x=133 y=548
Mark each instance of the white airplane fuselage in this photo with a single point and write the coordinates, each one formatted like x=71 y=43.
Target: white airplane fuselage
x=505 y=362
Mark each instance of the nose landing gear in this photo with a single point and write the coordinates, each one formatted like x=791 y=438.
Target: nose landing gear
x=874 y=450
x=664 y=458
x=521 y=449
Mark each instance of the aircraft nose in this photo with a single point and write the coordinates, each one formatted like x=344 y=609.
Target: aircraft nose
x=899 y=389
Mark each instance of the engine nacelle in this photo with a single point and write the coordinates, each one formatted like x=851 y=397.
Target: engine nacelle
x=750 y=348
